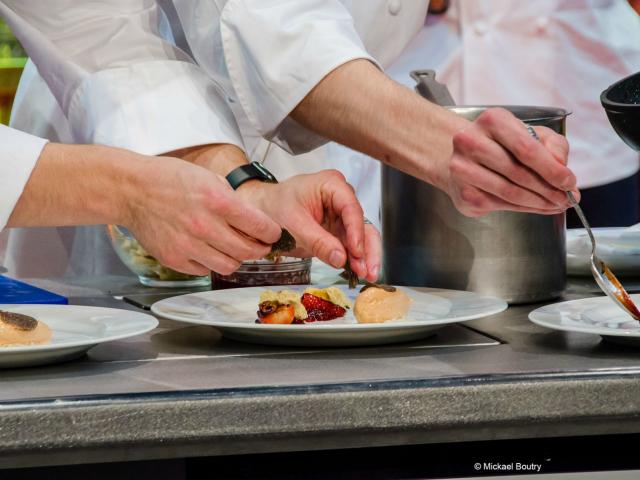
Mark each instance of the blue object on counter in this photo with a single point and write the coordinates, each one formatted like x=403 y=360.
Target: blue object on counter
x=13 y=291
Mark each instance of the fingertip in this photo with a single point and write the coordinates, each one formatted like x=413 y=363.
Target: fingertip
x=576 y=194
x=373 y=253
x=558 y=146
x=354 y=226
x=371 y=270
x=355 y=243
x=337 y=259
x=359 y=266
x=569 y=182
x=272 y=232
x=362 y=267
x=374 y=273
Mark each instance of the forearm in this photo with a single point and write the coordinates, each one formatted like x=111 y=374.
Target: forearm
x=358 y=106
x=79 y=185
x=217 y=158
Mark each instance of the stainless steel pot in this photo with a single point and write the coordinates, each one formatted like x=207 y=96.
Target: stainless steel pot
x=519 y=257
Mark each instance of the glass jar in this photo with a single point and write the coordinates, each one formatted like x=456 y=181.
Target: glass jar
x=258 y=273
x=150 y=272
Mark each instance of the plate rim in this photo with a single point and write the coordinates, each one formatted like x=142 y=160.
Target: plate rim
x=578 y=264
x=595 y=330
x=153 y=323
x=323 y=327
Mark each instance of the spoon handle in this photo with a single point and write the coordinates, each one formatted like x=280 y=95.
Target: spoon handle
x=583 y=219
x=573 y=202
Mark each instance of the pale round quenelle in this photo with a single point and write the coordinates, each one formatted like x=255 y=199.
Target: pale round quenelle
x=74 y=330
x=377 y=305
x=20 y=329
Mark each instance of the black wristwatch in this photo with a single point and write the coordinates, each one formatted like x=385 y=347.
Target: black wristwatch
x=251 y=171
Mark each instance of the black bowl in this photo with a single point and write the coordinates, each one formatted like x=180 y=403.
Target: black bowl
x=621 y=101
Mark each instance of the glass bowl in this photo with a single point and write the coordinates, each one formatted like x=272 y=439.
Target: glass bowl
x=150 y=272
x=260 y=273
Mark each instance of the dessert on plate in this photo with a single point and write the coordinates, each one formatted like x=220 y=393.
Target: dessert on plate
x=325 y=303
x=315 y=304
x=381 y=303
x=18 y=329
x=282 y=307
x=374 y=304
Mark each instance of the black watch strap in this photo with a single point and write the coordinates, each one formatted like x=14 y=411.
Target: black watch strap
x=251 y=171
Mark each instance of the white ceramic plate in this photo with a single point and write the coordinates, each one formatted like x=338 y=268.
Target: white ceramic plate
x=618 y=247
x=75 y=329
x=598 y=315
x=234 y=313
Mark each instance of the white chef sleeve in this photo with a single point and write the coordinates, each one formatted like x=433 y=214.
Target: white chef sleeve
x=116 y=80
x=19 y=154
x=276 y=51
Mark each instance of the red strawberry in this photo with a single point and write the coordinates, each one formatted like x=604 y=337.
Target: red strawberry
x=320 y=309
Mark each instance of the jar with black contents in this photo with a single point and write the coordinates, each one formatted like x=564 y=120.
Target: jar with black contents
x=258 y=273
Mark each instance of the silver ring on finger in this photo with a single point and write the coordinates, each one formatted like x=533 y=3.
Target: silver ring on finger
x=532 y=132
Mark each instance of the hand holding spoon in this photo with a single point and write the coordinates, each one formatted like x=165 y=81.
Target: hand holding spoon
x=603 y=275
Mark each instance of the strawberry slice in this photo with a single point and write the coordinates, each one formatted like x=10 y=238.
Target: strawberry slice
x=271 y=312
x=320 y=309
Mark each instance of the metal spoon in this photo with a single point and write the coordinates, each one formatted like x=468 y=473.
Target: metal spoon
x=605 y=278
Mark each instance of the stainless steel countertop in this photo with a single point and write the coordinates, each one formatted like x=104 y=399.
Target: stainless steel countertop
x=184 y=391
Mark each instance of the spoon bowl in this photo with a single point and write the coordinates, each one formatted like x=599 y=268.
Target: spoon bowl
x=603 y=275
x=610 y=285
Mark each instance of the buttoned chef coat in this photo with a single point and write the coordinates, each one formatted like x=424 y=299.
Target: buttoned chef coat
x=497 y=52
x=263 y=56
x=110 y=74
x=549 y=52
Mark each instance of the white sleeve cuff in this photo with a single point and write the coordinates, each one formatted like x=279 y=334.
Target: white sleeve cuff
x=151 y=108
x=18 y=157
x=275 y=55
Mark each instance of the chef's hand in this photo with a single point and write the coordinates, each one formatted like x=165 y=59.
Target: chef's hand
x=485 y=165
x=497 y=165
x=192 y=221
x=322 y=213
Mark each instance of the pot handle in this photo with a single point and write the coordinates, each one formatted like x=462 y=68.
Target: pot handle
x=429 y=88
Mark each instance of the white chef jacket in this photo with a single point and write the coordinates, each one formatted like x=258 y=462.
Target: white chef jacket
x=263 y=56
x=108 y=77
x=547 y=52
x=277 y=51
x=114 y=77
x=260 y=56
x=19 y=154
